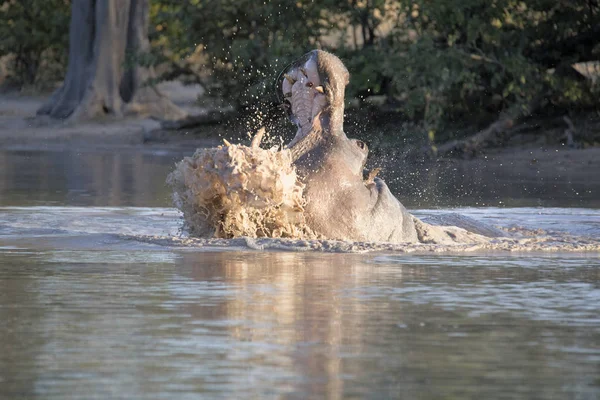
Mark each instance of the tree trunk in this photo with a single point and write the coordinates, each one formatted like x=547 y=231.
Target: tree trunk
x=98 y=82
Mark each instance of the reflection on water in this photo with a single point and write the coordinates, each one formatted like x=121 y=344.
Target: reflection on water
x=231 y=325
x=86 y=177
x=136 y=177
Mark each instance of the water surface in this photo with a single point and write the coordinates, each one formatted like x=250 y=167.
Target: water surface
x=163 y=324
x=135 y=176
x=90 y=311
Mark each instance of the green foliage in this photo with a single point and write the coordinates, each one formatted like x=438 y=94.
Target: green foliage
x=436 y=62
x=470 y=57
x=244 y=43
x=35 y=33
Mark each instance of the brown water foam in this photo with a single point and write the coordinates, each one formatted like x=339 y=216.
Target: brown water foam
x=235 y=190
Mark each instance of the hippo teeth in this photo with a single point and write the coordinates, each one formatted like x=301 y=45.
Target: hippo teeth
x=303 y=90
x=289 y=79
x=372 y=175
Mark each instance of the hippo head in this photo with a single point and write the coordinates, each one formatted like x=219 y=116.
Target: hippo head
x=313 y=92
x=341 y=204
x=313 y=89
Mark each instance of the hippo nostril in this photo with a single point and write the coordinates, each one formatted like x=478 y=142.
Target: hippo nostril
x=361 y=144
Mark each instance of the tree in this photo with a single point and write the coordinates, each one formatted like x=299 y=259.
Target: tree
x=103 y=35
x=475 y=62
x=245 y=44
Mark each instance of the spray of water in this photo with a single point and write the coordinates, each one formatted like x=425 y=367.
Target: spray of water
x=235 y=190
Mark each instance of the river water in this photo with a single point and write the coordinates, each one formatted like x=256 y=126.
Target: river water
x=100 y=299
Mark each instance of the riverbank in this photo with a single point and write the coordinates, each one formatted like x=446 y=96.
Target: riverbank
x=20 y=128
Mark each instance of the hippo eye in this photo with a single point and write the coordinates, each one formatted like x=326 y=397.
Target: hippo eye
x=361 y=144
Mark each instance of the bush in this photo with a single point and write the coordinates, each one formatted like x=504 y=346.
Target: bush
x=468 y=58
x=35 y=33
x=245 y=43
x=436 y=62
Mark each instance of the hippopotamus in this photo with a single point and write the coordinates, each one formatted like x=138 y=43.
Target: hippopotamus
x=342 y=200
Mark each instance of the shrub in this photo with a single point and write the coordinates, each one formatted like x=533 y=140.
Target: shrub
x=35 y=33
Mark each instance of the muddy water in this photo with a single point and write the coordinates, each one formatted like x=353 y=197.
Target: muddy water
x=89 y=310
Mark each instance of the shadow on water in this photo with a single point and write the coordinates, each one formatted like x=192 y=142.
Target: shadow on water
x=487 y=182
x=298 y=325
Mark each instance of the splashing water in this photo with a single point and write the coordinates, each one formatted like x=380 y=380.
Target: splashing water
x=235 y=190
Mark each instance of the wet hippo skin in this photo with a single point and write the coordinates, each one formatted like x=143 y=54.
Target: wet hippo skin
x=341 y=203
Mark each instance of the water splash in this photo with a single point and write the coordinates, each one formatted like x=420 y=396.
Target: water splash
x=234 y=190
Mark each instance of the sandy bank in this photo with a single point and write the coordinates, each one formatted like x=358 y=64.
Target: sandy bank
x=20 y=127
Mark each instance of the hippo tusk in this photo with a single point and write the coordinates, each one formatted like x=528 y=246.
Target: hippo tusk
x=371 y=178
x=320 y=89
x=227 y=144
x=289 y=79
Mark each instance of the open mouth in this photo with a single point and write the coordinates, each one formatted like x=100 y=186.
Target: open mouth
x=303 y=95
